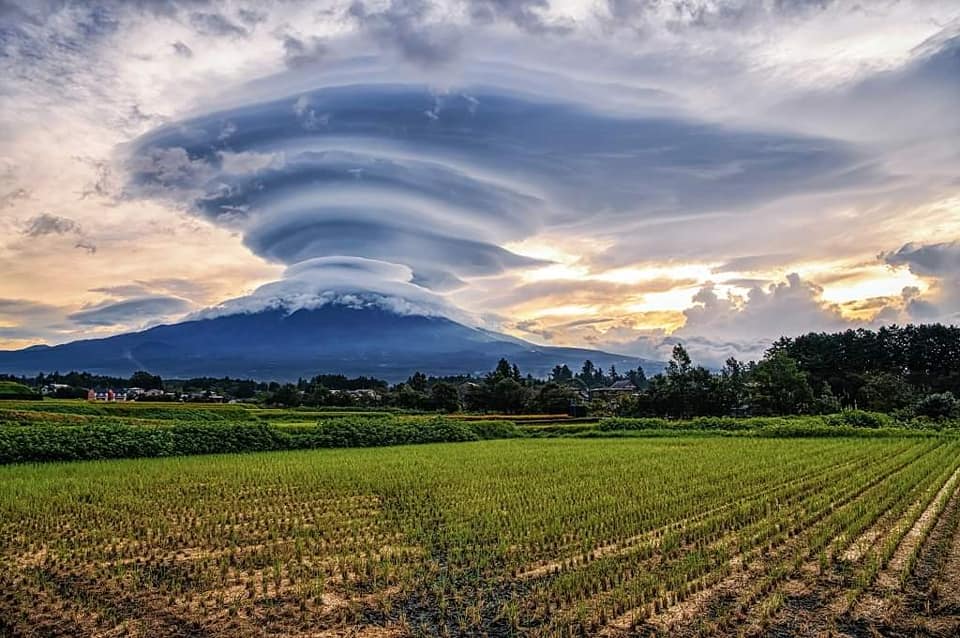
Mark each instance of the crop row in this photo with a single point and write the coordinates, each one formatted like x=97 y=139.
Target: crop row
x=548 y=537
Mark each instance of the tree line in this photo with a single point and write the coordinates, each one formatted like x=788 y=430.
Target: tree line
x=907 y=371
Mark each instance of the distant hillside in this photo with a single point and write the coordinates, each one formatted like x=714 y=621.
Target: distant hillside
x=274 y=344
x=12 y=390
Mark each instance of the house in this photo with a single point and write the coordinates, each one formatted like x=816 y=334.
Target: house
x=107 y=395
x=51 y=388
x=623 y=387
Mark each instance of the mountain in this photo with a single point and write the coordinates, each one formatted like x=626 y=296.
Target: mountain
x=277 y=344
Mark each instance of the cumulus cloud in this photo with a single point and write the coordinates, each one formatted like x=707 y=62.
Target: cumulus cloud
x=940 y=262
x=719 y=326
x=928 y=259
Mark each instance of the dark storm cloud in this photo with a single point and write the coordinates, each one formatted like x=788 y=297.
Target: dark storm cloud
x=130 y=310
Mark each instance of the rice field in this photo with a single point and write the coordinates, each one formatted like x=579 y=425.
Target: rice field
x=535 y=537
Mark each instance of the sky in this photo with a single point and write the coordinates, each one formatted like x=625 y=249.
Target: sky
x=616 y=174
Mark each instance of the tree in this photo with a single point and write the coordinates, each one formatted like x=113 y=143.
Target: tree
x=780 y=386
x=552 y=398
x=886 y=392
x=406 y=396
x=286 y=396
x=561 y=374
x=445 y=397
x=826 y=402
x=732 y=387
x=418 y=381
x=145 y=380
x=508 y=396
x=942 y=405
x=638 y=378
x=679 y=383
x=503 y=371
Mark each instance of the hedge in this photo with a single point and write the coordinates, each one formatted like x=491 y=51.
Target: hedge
x=84 y=442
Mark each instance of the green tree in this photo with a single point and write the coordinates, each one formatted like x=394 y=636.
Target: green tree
x=942 y=405
x=552 y=398
x=638 y=378
x=418 y=381
x=508 y=396
x=886 y=392
x=145 y=380
x=780 y=386
x=286 y=396
x=445 y=397
x=503 y=371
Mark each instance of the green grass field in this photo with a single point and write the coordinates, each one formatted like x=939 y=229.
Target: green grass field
x=16 y=391
x=558 y=537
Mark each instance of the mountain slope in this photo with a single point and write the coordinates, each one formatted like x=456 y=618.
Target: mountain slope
x=273 y=344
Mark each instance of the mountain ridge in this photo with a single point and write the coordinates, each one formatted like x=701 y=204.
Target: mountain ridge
x=276 y=344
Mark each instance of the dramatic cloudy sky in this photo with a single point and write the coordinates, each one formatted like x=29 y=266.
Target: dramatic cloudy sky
x=613 y=173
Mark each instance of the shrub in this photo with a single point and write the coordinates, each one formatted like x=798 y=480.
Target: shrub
x=938 y=406
x=859 y=419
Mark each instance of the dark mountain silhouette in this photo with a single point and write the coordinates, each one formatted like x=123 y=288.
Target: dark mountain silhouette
x=275 y=344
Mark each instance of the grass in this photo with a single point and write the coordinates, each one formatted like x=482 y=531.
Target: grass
x=14 y=390
x=532 y=536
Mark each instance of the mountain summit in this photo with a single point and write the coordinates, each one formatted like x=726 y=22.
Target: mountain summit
x=282 y=345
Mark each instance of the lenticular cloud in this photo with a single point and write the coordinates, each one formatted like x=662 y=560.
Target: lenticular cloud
x=334 y=180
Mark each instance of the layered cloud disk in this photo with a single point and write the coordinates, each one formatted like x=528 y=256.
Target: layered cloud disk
x=439 y=181
x=617 y=174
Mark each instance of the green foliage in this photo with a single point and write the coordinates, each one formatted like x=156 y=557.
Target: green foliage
x=859 y=419
x=942 y=405
x=11 y=390
x=552 y=398
x=146 y=381
x=84 y=440
x=141 y=410
x=53 y=443
x=781 y=387
x=445 y=397
x=559 y=536
x=847 y=423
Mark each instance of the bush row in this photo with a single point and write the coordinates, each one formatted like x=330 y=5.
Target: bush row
x=846 y=423
x=140 y=410
x=85 y=442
